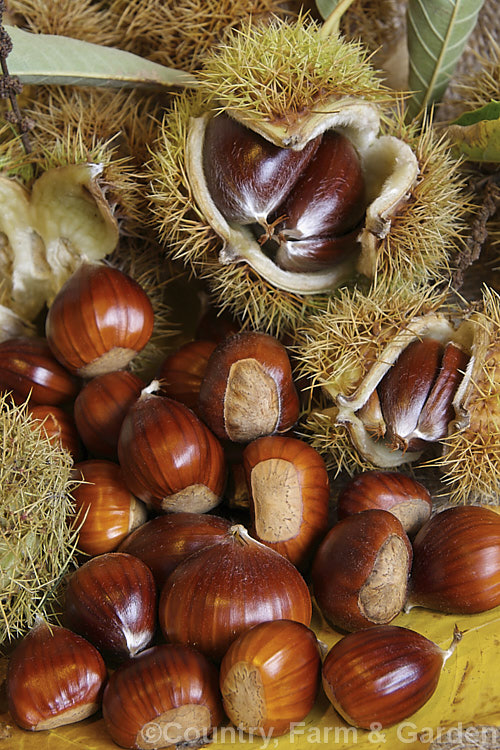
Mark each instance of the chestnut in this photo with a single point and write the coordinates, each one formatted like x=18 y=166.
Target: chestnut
x=222 y=590
x=181 y=373
x=165 y=696
x=99 y=320
x=169 y=458
x=165 y=541
x=269 y=677
x=105 y=509
x=59 y=426
x=401 y=495
x=456 y=561
x=383 y=674
x=360 y=570
x=289 y=495
x=100 y=409
x=247 y=175
x=111 y=601
x=248 y=390
x=54 y=677
x=416 y=394
x=28 y=369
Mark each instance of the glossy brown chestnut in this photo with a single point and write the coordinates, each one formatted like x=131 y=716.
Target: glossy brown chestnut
x=29 y=369
x=181 y=373
x=111 y=601
x=382 y=675
x=169 y=458
x=58 y=425
x=456 y=561
x=401 y=495
x=221 y=590
x=416 y=394
x=360 y=571
x=329 y=197
x=105 y=509
x=248 y=176
x=55 y=677
x=167 y=540
x=99 y=320
x=164 y=697
x=289 y=495
x=248 y=390
x=269 y=677
x=100 y=409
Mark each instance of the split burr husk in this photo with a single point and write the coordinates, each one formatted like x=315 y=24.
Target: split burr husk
x=345 y=353
x=288 y=83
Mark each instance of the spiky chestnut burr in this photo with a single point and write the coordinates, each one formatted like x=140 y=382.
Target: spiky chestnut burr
x=318 y=84
x=37 y=543
x=347 y=352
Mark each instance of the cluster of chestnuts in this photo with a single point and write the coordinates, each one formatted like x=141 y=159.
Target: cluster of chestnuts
x=182 y=618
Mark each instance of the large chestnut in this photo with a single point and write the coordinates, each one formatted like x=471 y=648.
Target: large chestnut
x=270 y=676
x=99 y=320
x=456 y=561
x=382 y=675
x=166 y=696
x=289 y=494
x=360 y=571
x=169 y=458
x=401 y=495
x=55 y=677
x=29 y=369
x=221 y=590
x=248 y=389
x=111 y=600
x=165 y=541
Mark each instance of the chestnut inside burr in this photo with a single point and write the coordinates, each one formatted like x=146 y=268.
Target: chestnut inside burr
x=277 y=500
x=244 y=696
x=251 y=403
x=175 y=727
x=304 y=207
x=383 y=595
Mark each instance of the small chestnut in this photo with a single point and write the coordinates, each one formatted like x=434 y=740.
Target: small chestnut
x=100 y=409
x=360 y=570
x=29 y=369
x=269 y=677
x=248 y=389
x=99 y=320
x=165 y=696
x=111 y=600
x=289 y=495
x=105 y=509
x=181 y=373
x=169 y=457
x=401 y=495
x=456 y=561
x=59 y=426
x=55 y=677
x=382 y=674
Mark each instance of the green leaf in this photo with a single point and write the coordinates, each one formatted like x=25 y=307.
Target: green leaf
x=437 y=34
x=325 y=7
x=476 y=134
x=45 y=58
